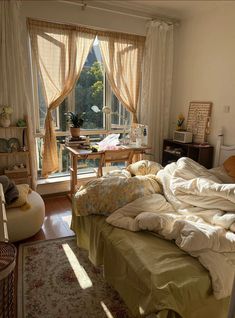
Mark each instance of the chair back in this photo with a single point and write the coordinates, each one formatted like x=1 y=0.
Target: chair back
x=120 y=155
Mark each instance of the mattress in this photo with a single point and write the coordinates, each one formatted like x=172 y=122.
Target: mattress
x=152 y=275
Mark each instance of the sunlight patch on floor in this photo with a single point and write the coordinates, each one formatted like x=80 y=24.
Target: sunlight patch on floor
x=80 y=273
x=67 y=219
x=106 y=310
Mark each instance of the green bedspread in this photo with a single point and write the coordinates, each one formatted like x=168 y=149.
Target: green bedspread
x=152 y=275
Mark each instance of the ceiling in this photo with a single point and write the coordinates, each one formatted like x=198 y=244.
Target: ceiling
x=177 y=9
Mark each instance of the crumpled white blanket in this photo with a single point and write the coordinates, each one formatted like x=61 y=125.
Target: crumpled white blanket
x=193 y=217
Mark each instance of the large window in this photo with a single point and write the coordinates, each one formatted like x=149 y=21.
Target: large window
x=91 y=89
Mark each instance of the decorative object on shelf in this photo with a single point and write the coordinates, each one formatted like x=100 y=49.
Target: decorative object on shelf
x=199 y=120
x=13 y=144
x=76 y=121
x=180 y=121
x=21 y=123
x=5 y=114
x=3 y=145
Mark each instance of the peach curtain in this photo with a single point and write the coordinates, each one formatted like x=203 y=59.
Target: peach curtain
x=60 y=52
x=122 y=57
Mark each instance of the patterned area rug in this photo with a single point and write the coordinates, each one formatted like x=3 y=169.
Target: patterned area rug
x=57 y=280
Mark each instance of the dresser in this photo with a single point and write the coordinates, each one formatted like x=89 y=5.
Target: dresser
x=173 y=150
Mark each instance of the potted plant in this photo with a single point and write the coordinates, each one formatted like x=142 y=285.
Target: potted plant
x=76 y=121
x=5 y=114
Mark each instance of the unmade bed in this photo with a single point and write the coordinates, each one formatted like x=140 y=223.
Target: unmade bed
x=151 y=274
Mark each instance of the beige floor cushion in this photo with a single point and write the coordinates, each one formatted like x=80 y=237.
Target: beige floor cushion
x=22 y=224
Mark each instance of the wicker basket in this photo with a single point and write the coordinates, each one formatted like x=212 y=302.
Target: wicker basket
x=7 y=265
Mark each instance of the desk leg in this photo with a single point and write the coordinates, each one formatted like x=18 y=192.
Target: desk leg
x=73 y=173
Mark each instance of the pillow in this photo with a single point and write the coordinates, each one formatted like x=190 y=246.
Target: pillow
x=22 y=201
x=229 y=166
x=143 y=167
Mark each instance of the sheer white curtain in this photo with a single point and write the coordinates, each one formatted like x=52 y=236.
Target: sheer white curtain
x=14 y=79
x=156 y=84
x=122 y=56
x=60 y=53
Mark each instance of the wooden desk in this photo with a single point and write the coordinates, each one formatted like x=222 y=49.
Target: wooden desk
x=78 y=154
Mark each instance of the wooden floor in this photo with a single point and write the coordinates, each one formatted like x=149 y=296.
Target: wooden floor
x=57 y=219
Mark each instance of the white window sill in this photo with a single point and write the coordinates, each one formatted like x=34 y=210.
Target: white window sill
x=60 y=184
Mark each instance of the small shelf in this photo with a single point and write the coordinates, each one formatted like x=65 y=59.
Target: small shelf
x=17 y=157
x=173 y=153
x=14 y=153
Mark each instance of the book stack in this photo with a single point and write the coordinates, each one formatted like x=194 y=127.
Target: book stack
x=81 y=142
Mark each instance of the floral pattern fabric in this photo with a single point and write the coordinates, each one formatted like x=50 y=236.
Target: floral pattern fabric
x=106 y=195
x=57 y=280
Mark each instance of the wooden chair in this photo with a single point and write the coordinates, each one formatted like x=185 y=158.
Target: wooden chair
x=109 y=156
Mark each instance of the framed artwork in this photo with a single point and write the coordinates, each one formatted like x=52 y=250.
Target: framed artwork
x=198 y=121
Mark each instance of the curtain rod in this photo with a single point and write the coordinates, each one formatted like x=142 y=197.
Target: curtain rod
x=84 y=5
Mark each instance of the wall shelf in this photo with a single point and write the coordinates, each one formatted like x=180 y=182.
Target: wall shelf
x=17 y=157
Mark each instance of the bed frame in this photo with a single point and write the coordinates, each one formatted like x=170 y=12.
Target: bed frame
x=222 y=152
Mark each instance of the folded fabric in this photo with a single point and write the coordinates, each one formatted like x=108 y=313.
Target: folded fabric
x=22 y=201
x=10 y=190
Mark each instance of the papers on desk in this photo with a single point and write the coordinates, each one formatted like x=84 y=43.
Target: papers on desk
x=110 y=142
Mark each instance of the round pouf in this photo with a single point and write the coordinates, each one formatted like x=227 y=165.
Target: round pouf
x=22 y=224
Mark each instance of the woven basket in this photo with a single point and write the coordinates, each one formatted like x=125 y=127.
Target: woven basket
x=7 y=265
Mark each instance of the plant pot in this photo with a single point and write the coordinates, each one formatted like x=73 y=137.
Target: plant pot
x=75 y=132
x=5 y=122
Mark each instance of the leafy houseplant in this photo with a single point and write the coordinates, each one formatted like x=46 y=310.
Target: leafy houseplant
x=76 y=121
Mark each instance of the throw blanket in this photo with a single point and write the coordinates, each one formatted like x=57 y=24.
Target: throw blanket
x=197 y=215
x=10 y=190
x=106 y=195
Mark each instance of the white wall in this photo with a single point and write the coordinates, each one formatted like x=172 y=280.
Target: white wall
x=205 y=68
x=61 y=12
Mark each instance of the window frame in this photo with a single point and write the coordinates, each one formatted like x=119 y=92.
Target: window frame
x=39 y=132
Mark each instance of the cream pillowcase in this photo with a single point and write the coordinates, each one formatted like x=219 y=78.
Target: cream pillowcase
x=143 y=167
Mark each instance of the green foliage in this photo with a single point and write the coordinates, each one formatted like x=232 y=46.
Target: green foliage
x=75 y=119
x=89 y=92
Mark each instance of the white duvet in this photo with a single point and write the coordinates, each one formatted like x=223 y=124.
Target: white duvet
x=198 y=214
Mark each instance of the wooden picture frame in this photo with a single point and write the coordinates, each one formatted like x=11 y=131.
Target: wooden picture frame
x=199 y=120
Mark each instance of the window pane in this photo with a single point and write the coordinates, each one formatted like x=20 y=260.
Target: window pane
x=89 y=90
x=120 y=115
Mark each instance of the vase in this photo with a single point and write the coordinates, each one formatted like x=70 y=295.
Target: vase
x=75 y=132
x=5 y=122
